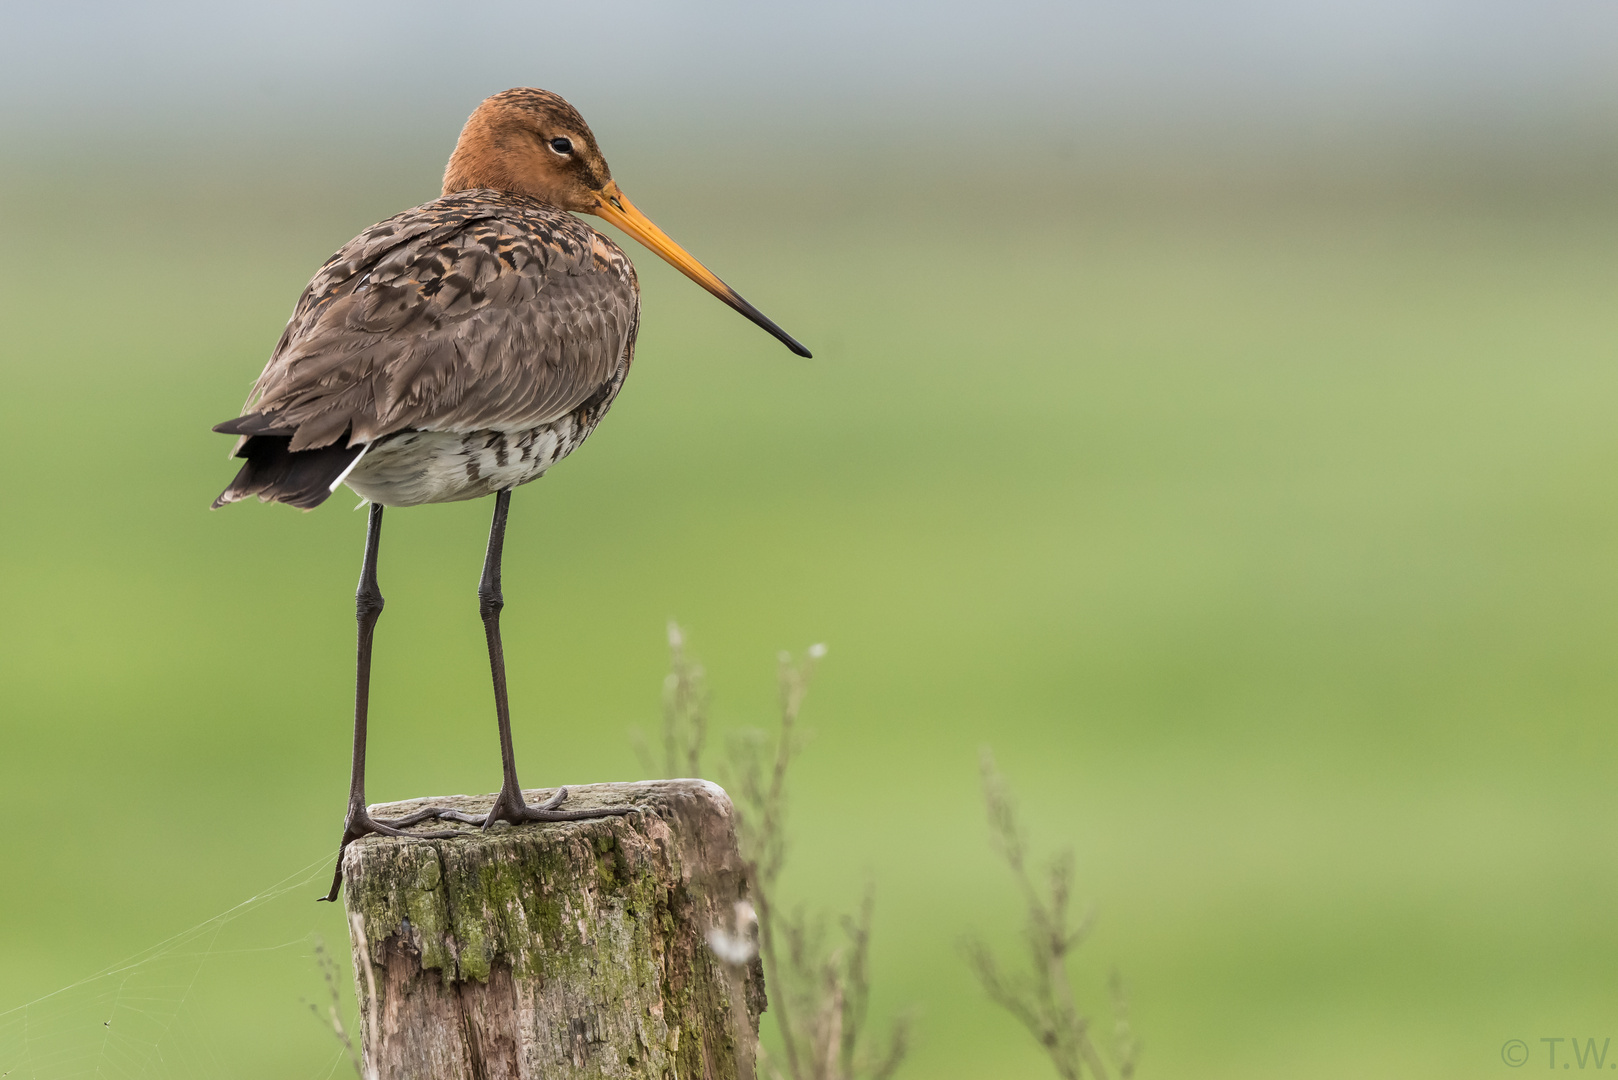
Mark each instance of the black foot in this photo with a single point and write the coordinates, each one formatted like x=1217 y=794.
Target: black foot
x=361 y=823
x=508 y=806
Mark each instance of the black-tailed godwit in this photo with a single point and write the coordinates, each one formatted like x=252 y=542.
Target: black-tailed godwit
x=457 y=350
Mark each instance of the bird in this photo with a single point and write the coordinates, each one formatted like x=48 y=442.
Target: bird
x=459 y=350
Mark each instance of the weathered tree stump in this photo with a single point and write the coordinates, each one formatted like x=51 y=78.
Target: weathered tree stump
x=567 y=949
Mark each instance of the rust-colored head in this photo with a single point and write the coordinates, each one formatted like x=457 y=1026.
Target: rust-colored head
x=534 y=143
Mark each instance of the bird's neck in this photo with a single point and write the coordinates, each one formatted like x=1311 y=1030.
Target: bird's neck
x=480 y=160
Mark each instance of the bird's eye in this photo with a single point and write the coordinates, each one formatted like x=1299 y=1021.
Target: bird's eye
x=562 y=146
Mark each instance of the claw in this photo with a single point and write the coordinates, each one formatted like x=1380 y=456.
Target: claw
x=508 y=807
x=361 y=823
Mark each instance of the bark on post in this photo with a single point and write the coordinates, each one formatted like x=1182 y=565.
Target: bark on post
x=567 y=949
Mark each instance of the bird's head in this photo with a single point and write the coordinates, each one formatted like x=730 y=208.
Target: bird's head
x=534 y=143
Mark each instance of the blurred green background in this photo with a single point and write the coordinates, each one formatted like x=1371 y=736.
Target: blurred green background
x=1256 y=508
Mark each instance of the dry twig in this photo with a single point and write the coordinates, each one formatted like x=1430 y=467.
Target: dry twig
x=333 y=1016
x=685 y=715
x=1041 y=998
x=819 y=993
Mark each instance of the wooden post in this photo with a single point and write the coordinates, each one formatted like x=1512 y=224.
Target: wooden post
x=567 y=950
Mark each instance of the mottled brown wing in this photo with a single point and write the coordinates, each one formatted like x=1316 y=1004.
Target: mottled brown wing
x=479 y=310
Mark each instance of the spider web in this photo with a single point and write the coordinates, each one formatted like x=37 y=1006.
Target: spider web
x=206 y=1002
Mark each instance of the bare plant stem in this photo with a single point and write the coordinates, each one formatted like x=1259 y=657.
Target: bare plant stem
x=685 y=715
x=1043 y=1002
x=333 y=1017
x=767 y=862
x=818 y=998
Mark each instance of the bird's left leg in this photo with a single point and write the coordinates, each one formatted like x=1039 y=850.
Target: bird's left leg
x=368 y=604
x=509 y=805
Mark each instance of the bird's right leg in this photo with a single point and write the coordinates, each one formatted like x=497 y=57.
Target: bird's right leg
x=368 y=608
x=508 y=804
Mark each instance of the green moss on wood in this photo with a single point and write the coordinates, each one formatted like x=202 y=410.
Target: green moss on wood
x=600 y=922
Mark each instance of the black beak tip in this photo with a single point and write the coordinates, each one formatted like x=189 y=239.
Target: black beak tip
x=768 y=325
x=783 y=337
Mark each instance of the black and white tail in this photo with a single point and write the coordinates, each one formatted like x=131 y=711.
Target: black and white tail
x=276 y=473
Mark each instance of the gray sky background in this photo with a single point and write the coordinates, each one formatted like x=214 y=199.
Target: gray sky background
x=81 y=72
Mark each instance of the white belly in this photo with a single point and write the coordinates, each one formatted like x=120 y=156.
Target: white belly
x=417 y=467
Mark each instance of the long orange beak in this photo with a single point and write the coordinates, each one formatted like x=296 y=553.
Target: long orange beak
x=612 y=205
